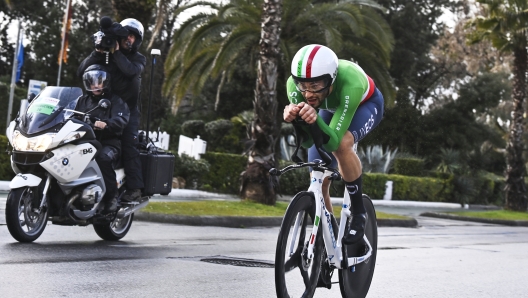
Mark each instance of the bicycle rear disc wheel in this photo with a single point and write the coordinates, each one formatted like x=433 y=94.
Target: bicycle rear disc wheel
x=295 y=274
x=356 y=284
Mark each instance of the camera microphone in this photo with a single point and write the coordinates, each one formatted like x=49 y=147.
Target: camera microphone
x=105 y=22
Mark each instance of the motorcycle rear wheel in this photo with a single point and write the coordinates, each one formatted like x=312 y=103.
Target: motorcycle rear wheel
x=25 y=222
x=114 y=230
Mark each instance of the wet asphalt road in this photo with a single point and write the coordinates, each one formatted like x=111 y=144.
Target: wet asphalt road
x=441 y=258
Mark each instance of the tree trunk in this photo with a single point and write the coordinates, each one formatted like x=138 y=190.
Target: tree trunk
x=264 y=130
x=515 y=196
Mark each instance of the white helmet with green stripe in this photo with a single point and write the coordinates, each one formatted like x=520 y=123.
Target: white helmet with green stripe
x=313 y=63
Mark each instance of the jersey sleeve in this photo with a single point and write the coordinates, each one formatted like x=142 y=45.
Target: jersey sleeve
x=294 y=95
x=349 y=102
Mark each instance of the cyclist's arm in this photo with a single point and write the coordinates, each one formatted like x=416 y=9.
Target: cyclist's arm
x=295 y=97
x=350 y=97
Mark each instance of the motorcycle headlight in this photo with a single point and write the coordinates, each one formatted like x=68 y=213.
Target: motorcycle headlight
x=38 y=143
x=72 y=136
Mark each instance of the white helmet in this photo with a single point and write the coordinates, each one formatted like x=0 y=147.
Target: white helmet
x=134 y=26
x=313 y=63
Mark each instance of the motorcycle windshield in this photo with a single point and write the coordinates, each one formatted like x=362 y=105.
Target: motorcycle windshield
x=47 y=108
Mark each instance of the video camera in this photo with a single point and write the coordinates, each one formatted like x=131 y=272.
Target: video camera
x=109 y=33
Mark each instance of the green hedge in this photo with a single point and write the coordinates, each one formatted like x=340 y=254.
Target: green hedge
x=407 y=188
x=408 y=166
x=224 y=172
x=223 y=175
x=293 y=181
x=6 y=172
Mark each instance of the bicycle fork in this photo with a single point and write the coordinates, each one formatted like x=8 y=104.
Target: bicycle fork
x=333 y=245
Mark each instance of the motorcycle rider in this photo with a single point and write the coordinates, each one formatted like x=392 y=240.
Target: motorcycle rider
x=126 y=65
x=108 y=126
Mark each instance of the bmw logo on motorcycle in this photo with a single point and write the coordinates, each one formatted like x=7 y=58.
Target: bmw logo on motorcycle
x=65 y=161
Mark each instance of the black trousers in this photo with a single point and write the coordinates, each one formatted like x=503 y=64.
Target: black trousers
x=107 y=158
x=131 y=161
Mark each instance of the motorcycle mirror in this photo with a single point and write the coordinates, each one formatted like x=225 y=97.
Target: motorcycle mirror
x=104 y=103
x=31 y=96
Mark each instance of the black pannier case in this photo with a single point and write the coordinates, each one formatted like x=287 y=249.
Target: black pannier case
x=157 y=170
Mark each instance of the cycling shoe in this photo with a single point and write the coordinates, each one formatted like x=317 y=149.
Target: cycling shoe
x=357 y=229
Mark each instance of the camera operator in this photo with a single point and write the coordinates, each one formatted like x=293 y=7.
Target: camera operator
x=126 y=65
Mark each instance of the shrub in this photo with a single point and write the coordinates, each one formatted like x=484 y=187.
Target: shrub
x=190 y=169
x=409 y=166
x=223 y=136
x=218 y=128
x=224 y=173
x=374 y=160
x=6 y=172
x=293 y=181
x=193 y=128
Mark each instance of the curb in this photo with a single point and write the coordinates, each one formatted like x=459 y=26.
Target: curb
x=244 y=221
x=402 y=223
x=515 y=223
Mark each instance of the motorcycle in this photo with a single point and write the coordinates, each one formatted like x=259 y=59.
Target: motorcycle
x=57 y=177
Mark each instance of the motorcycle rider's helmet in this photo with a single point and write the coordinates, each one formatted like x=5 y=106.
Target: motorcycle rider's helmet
x=135 y=27
x=95 y=78
x=314 y=63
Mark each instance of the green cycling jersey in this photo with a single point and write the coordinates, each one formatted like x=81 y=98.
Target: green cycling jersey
x=351 y=87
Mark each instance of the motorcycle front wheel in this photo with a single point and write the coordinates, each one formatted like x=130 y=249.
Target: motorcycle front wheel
x=116 y=229
x=25 y=222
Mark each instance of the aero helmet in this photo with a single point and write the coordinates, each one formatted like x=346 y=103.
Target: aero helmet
x=313 y=63
x=96 y=78
x=134 y=26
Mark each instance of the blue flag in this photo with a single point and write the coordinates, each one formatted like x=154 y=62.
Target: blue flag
x=20 y=59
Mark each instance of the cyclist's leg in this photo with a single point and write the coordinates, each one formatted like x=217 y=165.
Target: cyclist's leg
x=366 y=118
x=313 y=154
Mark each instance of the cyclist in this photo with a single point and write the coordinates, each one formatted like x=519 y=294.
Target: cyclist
x=345 y=103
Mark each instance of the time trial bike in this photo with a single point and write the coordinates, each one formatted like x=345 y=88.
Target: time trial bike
x=309 y=245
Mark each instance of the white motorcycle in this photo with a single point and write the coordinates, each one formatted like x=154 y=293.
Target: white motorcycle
x=57 y=177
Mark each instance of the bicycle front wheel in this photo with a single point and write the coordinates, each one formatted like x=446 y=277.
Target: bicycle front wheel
x=295 y=274
x=356 y=284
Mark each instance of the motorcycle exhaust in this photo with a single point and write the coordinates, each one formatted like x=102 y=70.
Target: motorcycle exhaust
x=124 y=212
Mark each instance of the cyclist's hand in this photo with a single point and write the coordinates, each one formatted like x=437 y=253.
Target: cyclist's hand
x=307 y=113
x=290 y=112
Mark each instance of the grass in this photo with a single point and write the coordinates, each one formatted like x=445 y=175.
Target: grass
x=233 y=208
x=494 y=214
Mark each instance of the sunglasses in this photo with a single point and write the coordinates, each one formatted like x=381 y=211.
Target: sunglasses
x=303 y=89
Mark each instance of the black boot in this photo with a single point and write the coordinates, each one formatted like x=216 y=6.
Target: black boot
x=357 y=229
x=132 y=195
x=109 y=206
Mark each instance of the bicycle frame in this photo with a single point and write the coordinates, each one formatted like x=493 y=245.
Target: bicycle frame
x=333 y=247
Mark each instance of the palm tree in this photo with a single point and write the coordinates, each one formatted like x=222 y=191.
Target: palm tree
x=505 y=24
x=264 y=130
x=207 y=44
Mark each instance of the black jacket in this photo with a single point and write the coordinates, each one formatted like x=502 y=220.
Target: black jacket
x=116 y=118
x=125 y=72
